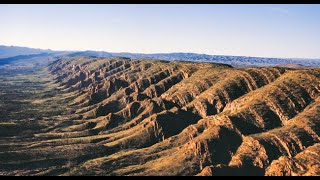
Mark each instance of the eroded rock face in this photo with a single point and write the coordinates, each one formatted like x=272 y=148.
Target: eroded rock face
x=305 y=163
x=150 y=117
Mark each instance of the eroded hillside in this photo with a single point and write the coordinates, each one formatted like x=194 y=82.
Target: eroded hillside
x=119 y=116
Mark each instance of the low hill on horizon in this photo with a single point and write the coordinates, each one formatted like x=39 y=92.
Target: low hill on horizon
x=10 y=51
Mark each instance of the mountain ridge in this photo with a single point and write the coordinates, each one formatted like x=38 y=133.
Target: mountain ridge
x=122 y=116
x=231 y=60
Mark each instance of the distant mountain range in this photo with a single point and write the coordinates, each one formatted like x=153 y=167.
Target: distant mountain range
x=11 y=53
x=231 y=60
x=22 y=57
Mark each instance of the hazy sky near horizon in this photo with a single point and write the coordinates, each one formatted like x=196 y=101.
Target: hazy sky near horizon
x=249 y=30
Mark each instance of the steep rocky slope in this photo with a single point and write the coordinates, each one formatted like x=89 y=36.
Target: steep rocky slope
x=150 y=117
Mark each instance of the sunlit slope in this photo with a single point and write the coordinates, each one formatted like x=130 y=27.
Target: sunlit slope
x=151 y=117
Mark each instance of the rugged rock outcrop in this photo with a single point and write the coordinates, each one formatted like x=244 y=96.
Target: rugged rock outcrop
x=306 y=163
x=151 y=117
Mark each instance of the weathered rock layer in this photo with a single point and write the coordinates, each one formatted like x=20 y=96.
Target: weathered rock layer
x=151 y=117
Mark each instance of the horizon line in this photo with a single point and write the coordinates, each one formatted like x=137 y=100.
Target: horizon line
x=172 y=52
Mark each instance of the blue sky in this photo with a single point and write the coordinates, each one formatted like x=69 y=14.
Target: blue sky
x=249 y=30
